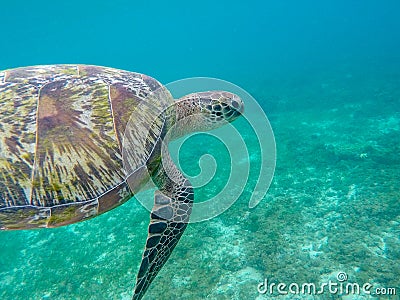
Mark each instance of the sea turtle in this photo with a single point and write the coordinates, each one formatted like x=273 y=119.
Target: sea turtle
x=62 y=131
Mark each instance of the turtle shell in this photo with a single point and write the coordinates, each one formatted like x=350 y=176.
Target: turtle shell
x=61 y=141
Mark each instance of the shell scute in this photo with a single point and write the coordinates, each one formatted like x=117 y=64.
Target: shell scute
x=67 y=115
x=24 y=217
x=17 y=142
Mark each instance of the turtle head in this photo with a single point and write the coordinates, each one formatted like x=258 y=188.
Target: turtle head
x=205 y=111
x=220 y=107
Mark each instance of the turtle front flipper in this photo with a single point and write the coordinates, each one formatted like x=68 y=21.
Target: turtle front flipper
x=168 y=220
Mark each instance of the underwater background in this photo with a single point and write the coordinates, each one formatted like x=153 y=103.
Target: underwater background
x=327 y=74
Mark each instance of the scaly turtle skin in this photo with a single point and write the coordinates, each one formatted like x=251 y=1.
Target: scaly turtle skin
x=62 y=131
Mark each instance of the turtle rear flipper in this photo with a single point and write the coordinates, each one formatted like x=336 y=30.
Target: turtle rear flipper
x=168 y=220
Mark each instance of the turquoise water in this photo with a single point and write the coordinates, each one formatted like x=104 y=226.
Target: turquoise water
x=326 y=74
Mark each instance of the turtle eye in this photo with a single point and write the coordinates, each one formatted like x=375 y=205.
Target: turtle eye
x=235 y=104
